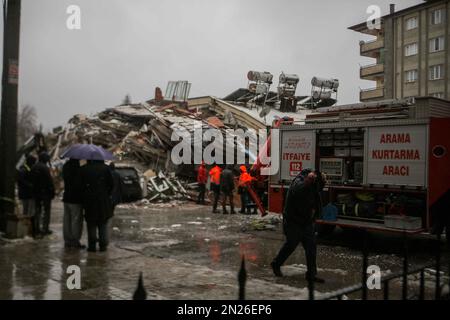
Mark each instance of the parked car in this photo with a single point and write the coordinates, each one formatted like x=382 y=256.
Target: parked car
x=130 y=183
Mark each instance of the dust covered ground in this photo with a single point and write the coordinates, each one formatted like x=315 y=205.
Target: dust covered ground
x=186 y=252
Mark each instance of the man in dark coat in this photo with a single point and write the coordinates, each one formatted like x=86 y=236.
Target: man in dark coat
x=43 y=193
x=227 y=188
x=25 y=186
x=303 y=204
x=73 y=209
x=97 y=183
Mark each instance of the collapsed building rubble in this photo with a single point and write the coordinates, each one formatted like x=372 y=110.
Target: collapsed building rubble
x=142 y=134
x=160 y=187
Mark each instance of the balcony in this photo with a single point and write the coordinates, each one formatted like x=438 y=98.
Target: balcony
x=371 y=72
x=371 y=94
x=371 y=48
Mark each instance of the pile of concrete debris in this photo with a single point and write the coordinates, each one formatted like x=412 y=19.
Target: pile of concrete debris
x=142 y=134
x=162 y=188
x=139 y=132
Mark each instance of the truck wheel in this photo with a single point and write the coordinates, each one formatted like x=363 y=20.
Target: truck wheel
x=324 y=230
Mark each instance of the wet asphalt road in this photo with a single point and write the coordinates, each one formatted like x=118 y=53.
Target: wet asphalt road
x=187 y=252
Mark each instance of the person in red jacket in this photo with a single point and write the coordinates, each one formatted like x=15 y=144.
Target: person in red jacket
x=245 y=180
x=202 y=178
x=214 y=174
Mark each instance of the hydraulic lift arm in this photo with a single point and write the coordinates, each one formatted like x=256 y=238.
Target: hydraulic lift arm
x=257 y=165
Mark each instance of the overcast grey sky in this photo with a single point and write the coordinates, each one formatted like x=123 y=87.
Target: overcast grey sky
x=132 y=46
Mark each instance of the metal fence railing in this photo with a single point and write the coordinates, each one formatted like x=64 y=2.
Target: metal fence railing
x=403 y=275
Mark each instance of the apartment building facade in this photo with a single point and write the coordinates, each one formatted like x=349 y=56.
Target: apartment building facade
x=411 y=52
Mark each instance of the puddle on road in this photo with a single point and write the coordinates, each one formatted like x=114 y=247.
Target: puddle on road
x=199 y=238
x=216 y=241
x=38 y=284
x=219 y=241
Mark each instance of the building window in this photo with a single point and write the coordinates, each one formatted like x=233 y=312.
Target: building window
x=411 y=49
x=411 y=23
x=439 y=95
x=437 y=44
x=437 y=16
x=437 y=72
x=411 y=76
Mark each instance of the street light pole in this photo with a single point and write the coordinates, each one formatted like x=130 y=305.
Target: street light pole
x=9 y=105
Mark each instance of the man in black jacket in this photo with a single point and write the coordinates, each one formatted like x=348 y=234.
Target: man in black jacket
x=73 y=210
x=43 y=193
x=97 y=183
x=227 y=189
x=25 y=186
x=302 y=206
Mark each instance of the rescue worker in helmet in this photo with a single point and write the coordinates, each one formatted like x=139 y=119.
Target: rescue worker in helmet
x=202 y=178
x=214 y=175
x=245 y=179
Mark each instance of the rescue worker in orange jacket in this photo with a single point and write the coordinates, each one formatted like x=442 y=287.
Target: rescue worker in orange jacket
x=202 y=178
x=214 y=175
x=245 y=179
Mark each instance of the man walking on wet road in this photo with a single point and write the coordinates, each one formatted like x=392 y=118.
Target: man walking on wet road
x=302 y=206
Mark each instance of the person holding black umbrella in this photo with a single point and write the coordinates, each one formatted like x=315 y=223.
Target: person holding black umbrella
x=73 y=209
x=97 y=183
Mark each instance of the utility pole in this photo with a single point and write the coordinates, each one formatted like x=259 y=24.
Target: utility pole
x=8 y=130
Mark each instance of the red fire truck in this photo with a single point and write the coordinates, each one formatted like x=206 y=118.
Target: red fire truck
x=387 y=163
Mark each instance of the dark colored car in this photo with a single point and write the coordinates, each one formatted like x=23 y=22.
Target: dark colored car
x=130 y=184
